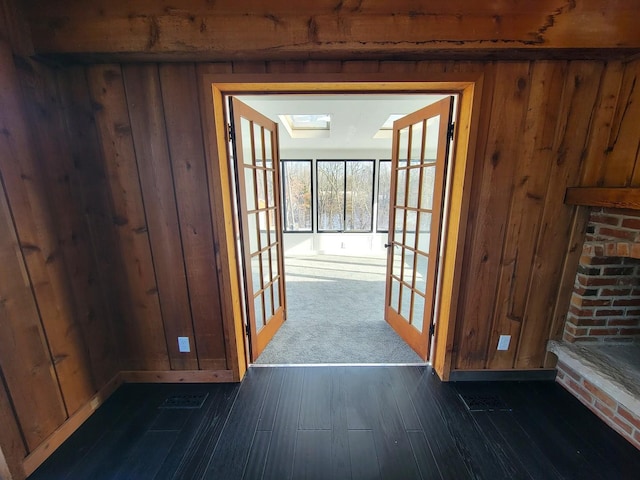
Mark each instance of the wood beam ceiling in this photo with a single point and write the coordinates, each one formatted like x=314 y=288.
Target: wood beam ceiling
x=280 y=29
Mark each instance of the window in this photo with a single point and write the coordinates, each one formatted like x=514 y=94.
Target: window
x=384 y=186
x=297 y=195
x=345 y=195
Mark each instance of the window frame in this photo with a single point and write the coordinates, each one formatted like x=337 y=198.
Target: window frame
x=284 y=196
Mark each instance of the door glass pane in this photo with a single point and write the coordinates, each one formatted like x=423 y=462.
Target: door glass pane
x=249 y=185
x=252 y=221
x=384 y=188
x=401 y=185
x=270 y=182
x=262 y=196
x=255 y=275
x=421 y=273
x=259 y=313
x=405 y=300
x=258 y=145
x=414 y=184
x=407 y=274
x=410 y=232
x=428 y=185
x=296 y=180
x=267 y=303
x=245 y=133
x=416 y=143
x=418 y=312
x=398 y=231
x=395 y=295
x=267 y=148
x=276 y=295
x=397 y=262
x=424 y=232
x=431 y=146
x=359 y=196
x=330 y=195
x=264 y=232
x=266 y=264
x=403 y=147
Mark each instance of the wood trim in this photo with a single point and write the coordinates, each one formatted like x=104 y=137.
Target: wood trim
x=178 y=376
x=621 y=197
x=464 y=145
x=64 y=431
x=545 y=375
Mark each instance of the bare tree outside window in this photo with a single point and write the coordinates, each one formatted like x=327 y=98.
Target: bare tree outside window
x=298 y=196
x=345 y=195
x=384 y=192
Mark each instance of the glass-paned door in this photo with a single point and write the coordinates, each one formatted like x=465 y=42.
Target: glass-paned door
x=256 y=153
x=418 y=167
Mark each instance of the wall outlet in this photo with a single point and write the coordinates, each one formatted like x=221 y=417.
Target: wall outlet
x=503 y=343
x=183 y=344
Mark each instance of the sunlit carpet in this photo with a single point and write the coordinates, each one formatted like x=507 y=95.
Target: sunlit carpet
x=335 y=314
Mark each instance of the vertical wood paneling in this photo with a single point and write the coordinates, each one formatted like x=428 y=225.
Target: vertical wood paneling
x=624 y=140
x=24 y=356
x=533 y=158
x=510 y=98
x=88 y=178
x=577 y=104
x=152 y=155
x=184 y=134
x=143 y=338
x=12 y=446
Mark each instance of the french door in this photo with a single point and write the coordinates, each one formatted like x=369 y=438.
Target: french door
x=418 y=167
x=256 y=154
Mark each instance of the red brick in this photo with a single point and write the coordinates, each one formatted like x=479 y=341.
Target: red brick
x=604 y=409
x=599 y=394
x=603 y=331
x=605 y=261
x=635 y=250
x=623 y=425
x=633 y=313
x=630 y=331
x=626 y=302
x=623 y=248
x=631 y=223
x=590 y=322
x=608 y=312
x=628 y=416
x=582 y=312
x=615 y=292
x=569 y=371
x=616 y=233
x=618 y=270
x=623 y=322
x=636 y=436
x=597 y=302
x=598 y=281
x=579 y=391
x=576 y=331
x=603 y=218
x=567 y=337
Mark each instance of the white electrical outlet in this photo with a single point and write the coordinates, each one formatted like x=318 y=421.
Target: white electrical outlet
x=503 y=343
x=183 y=344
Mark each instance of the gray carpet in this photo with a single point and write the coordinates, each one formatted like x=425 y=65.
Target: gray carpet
x=335 y=314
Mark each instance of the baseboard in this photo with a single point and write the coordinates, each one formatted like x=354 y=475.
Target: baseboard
x=178 y=376
x=502 y=375
x=64 y=431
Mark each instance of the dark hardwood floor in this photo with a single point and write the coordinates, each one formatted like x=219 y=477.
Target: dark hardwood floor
x=345 y=422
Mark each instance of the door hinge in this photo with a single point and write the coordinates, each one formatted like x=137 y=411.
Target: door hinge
x=450 y=131
x=247 y=330
x=432 y=329
x=230 y=134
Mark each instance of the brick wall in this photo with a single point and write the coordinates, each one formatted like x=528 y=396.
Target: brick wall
x=605 y=304
x=599 y=402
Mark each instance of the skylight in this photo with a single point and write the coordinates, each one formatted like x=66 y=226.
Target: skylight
x=307 y=125
x=385 y=130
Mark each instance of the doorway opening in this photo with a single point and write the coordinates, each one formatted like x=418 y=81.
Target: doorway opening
x=335 y=203
x=217 y=87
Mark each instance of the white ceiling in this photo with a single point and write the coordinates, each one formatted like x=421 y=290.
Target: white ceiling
x=355 y=119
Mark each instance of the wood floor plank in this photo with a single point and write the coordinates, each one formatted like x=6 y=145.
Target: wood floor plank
x=424 y=456
x=448 y=456
x=392 y=443
x=190 y=453
x=340 y=460
x=312 y=457
x=360 y=414
x=145 y=459
x=171 y=419
x=364 y=459
x=271 y=399
x=315 y=406
x=280 y=456
x=258 y=455
x=231 y=452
